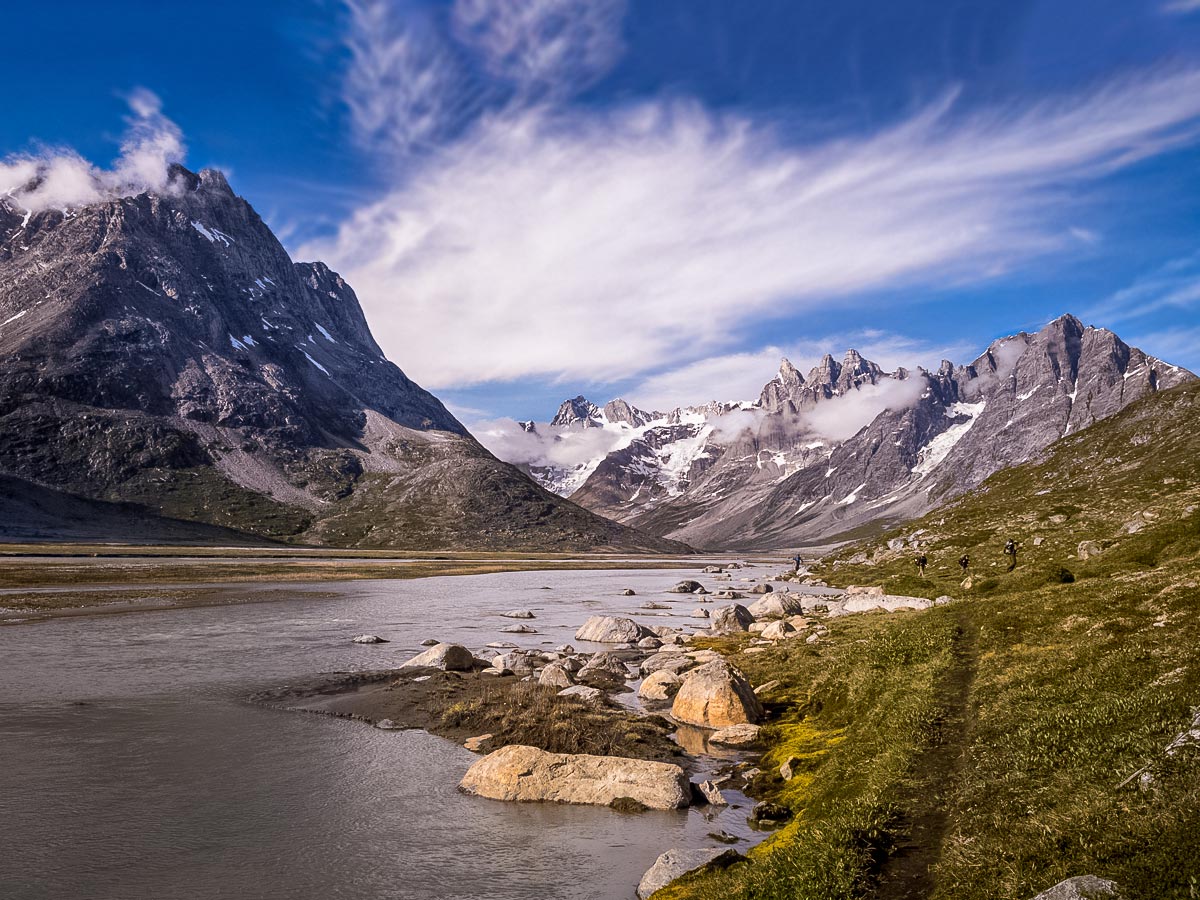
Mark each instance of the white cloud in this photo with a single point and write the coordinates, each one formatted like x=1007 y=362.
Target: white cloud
x=550 y=446
x=603 y=245
x=410 y=82
x=1175 y=346
x=59 y=178
x=732 y=376
x=542 y=47
x=1181 y=7
x=403 y=86
x=1174 y=285
x=842 y=417
x=741 y=376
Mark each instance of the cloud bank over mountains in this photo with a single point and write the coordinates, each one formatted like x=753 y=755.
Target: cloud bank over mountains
x=835 y=419
x=57 y=178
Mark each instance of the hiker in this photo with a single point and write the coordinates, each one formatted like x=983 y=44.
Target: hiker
x=1010 y=550
x=963 y=562
x=921 y=562
x=796 y=560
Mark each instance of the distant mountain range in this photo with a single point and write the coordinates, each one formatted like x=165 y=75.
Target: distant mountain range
x=849 y=446
x=166 y=369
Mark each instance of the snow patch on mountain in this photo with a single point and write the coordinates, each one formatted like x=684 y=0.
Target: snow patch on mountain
x=931 y=455
x=677 y=459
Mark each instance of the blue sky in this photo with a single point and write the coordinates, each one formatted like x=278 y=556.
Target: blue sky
x=658 y=198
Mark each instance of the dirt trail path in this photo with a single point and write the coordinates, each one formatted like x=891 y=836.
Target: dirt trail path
x=907 y=873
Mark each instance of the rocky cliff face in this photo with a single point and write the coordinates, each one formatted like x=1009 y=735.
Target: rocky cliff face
x=162 y=349
x=1021 y=395
x=772 y=475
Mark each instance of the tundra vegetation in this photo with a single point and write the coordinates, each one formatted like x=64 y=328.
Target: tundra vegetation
x=992 y=747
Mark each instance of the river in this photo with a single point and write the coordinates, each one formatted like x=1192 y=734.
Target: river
x=132 y=768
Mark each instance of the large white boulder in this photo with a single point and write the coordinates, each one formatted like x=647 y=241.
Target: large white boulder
x=521 y=773
x=858 y=603
x=716 y=695
x=677 y=863
x=555 y=675
x=1082 y=887
x=777 y=606
x=451 y=657
x=612 y=630
x=660 y=685
x=730 y=619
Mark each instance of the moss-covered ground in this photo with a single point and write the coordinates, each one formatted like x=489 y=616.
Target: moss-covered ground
x=994 y=746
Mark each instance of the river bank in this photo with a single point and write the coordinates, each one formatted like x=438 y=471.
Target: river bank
x=460 y=706
x=48 y=582
x=138 y=725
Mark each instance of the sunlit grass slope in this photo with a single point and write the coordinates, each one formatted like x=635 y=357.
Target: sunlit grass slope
x=992 y=747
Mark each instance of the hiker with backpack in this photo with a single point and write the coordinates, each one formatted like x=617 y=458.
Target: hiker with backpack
x=1010 y=550
x=921 y=562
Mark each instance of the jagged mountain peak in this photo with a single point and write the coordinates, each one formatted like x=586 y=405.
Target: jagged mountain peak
x=578 y=411
x=621 y=412
x=788 y=374
x=826 y=372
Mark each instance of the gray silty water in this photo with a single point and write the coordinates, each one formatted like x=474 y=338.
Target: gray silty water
x=133 y=768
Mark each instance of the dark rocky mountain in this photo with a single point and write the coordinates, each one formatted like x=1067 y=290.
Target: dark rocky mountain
x=773 y=474
x=163 y=350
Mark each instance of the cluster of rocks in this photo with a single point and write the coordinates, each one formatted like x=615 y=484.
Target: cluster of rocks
x=697 y=687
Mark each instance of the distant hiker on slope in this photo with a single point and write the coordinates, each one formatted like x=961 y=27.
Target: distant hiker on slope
x=1010 y=550
x=963 y=562
x=921 y=562
x=796 y=560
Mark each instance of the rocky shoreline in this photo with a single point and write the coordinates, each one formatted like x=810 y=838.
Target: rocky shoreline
x=651 y=718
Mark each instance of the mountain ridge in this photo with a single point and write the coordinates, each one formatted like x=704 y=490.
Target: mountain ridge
x=782 y=481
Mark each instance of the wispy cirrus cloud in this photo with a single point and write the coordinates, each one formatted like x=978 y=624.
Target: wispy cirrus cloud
x=543 y=47
x=414 y=79
x=1181 y=7
x=604 y=244
x=1176 y=346
x=1175 y=285
x=402 y=86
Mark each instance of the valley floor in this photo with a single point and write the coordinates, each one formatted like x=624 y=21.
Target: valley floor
x=39 y=581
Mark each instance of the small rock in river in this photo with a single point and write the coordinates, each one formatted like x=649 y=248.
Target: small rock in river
x=712 y=794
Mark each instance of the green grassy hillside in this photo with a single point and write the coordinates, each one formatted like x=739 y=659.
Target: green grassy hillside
x=993 y=746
